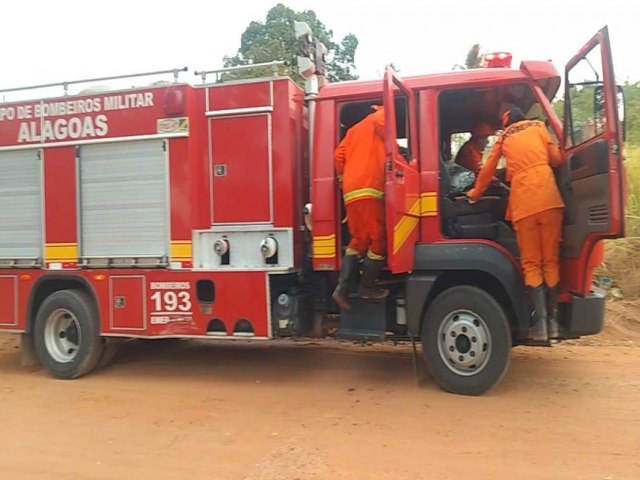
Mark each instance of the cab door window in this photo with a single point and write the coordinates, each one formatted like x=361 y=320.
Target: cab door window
x=584 y=106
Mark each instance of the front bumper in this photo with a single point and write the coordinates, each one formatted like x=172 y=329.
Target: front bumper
x=584 y=315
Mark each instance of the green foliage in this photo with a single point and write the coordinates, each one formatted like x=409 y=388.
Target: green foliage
x=632 y=112
x=473 y=57
x=583 y=108
x=632 y=167
x=393 y=66
x=274 y=39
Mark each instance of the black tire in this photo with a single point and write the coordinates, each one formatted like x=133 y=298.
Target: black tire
x=110 y=351
x=72 y=351
x=466 y=340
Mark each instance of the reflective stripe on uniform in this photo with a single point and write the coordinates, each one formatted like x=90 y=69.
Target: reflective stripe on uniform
x=374 y=256
x=363 y=193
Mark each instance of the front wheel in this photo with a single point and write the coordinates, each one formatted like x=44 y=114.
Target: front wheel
x=67 y=336
x=466 y=340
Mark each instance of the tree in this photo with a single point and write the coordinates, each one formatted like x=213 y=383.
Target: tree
x=582 y=108
x=393 y=66
x=473 y=57
x=274 y=39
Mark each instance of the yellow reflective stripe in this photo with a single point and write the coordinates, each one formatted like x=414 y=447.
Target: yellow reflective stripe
x=324 y=241
x=323 y=251
x=332 y=255
x=363 y=193
x=61 y=252
x=351 y=251
x=405 y=227
x=428 y=204
x=374 y=256
x=181 y=250
x=324 y=246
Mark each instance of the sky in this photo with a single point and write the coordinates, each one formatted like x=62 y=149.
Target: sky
x=48 y=41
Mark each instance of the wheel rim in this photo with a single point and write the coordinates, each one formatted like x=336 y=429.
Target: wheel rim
x=62 y=335
x=464 y=343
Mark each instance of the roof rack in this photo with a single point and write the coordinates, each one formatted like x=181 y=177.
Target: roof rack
x=274 y=69
x=65 y=85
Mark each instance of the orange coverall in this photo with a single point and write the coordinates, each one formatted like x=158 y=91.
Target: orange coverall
x=470 y=156
x=535 y=205
x=359 y=162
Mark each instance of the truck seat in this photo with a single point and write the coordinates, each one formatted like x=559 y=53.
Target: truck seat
x=461 y=219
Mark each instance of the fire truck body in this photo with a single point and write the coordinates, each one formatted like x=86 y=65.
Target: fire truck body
x=214 y=211
x=130 y=211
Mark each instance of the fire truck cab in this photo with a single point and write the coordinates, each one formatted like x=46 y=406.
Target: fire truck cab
x=213 y=211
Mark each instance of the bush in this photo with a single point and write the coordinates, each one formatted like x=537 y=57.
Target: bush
x=632 y=165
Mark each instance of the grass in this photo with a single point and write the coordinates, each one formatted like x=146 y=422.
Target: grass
x=632 y=165
x=622 y=256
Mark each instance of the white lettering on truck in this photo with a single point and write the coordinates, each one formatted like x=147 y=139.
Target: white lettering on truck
x=63 y=129
x=170 y=299
x=86 y=123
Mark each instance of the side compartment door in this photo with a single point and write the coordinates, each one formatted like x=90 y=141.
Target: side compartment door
x=402 y=196
x=592 y=180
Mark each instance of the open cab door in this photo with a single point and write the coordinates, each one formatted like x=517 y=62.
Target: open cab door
x=402 y=196
x=592 y=181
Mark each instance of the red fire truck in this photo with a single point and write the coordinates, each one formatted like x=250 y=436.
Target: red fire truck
x=213 y=211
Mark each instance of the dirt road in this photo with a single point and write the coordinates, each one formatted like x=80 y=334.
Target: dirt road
x=324 y=411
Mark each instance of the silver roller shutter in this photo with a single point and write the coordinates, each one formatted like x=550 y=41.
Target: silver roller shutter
x=123 y=200
x=20 y=205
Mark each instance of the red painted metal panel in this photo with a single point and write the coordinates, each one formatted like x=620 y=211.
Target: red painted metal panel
x=286 y=184
x=198 y=160
x=60 y=195
x=240 y=156
x=179 y=189
x=428 y=131
x=155 y=302
x=402 y=194
x=249 y=95
x=324 y=191
x=8 y=300
x=127 y=299
x=172 y=307
x=92 y=117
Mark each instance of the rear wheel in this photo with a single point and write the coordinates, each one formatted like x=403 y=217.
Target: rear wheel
x=466 y=340
x=67 y=335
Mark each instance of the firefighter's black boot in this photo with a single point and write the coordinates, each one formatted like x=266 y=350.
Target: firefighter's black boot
x=370 y=272
x=553 y=328
x=347 y=274
x=538 y=309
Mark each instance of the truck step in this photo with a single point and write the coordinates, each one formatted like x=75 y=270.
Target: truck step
x=365 y=322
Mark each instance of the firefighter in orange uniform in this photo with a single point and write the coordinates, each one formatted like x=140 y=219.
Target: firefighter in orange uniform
x=535 y=209
x=470 y=154
x=359 y=162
